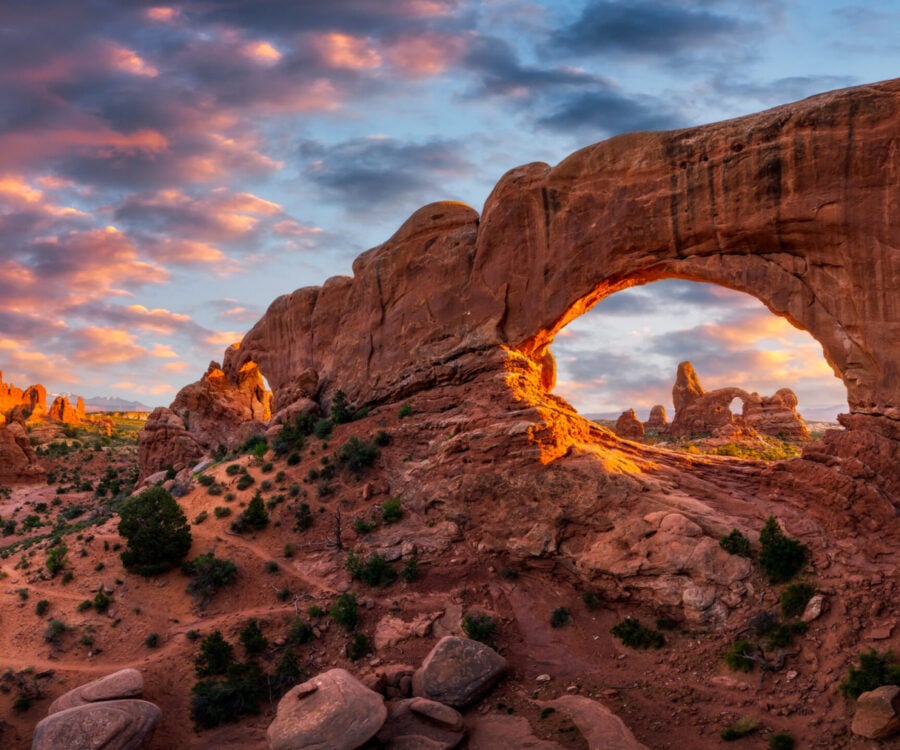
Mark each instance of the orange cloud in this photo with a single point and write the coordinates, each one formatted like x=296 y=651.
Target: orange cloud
x=223 y=338
x=425 y=55
x=158 y=319
x=129 y=61
x=262 y=52
x=175 y=367
x=161 y=14
x=345 y=51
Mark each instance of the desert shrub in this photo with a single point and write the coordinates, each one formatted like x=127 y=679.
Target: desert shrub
x=303 y=517
x=373 y=571
x=233 y=469
x=740 y=728
x=102 y=600
x=267 y=468
x=781 y=741
x=405 y=411
x=561 y=616
x=200 y=517
x=356 y=455
x=381 y=439
x=255 y=516
x=56 y=558
x=244 y=482
x=299 y=632
x=315 y=611
x=735 y=543
x=214 y=489
x=780 y=556
x=41 y=607
x=287 y=550
x=590 y=599
x=362 y=526
x=292 y=436
x=480 y=627
x=410 y=571
x=340 y=409
x=217 y=701
x=252 y=638
x=221 y=511
x=54 y=630
x=875 y=669
x=283 y=594
x=323 y=429
x=208 y=574
x=345 y=611
x=736 y=656
x=634 y=635
x=192 y=635
x=293 y=459
x=391 y=512
x=156 y=531
x=287 y=673
x=215 y=656
x=795 y=597
x=206 y=479
x=358 y=647
x=255 y=445
x=152 y=640
x=270 y=566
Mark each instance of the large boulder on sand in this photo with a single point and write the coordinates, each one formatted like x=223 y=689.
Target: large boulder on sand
x=126 y=683
x=877 y=713
x=110 y=725
x=333 y=710
x=421 y=723
x=458 y=672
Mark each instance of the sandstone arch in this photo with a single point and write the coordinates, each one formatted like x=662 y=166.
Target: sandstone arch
x=797 y=206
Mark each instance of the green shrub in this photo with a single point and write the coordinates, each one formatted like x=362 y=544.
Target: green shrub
x=252 y=638
x=221 y=511
x=192 y=635
x=102 y=601
x=780 y=556
x=271 y=566
x=283 y=594
x=217 y=701
x=84 y=605
x=345 y=611
x=795 y=597
x=405 y=411
x=293 y=459
x=206 y=480
x=480 y=627
x=41 y=607
x=152 y=640
x=736 y=656
x=561 y=616
x=303 y=517
x=340 y=409
x=267 y=467
x=634 y=635
x=208 y=574
x=214 y=489
x=216 y=655
x=244 y=482
x=299 y=632
x=358 y=647
x=54 y=630
x=200 y=517
x=233 y=469
x=590 y=599
x=362 y=526
x=255 y=516
x=735 y=543
x=391 y=512
x=875 y=669
x=356 y=455
x=156 y=531
x=322 y=429
x=410 y=571
x=373 y=571
x=781 y=741
x=740 y=728
x=381 y=439
x=56 y=558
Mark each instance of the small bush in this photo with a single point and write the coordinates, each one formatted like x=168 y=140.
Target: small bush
x=340 y=409
x=795 y=597
x=381 y=439
x=373 y=571
x=735 y=543
x=404 y=411
x=300 y=632
x=780 y=556
x=252 y=638
x=561 y=616
x=362 y=526
x=56 y=558
x=233 y=469
x=221 y=511
x=590 y=599
x=736 y=656
x=102 y=601
x=634 y=635
x=283 y=594
x=216 y=655
x=345 y=611
x=356 y=455
x=322 y=429
x=84 y=606
x=192 y=635
x=200 y=517
x=215 y=490
x=41 y=607
x=480 y=627
x=244 y=482
x=875 y=669
x=781 y=741
x=293 y=458
x=54 y=630
x=152 y=640
x=214 y=702
x=303 y=517
x=740 y=728
x=255 y=516
x=271 y=566
x=410 y=571
x=391 y=512
x=208 y=574
x=207 y=480
x=156 y=531
x=267 y=467
x=358 y=647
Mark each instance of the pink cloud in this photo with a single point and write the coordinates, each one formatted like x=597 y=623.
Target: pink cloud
x=424 y=55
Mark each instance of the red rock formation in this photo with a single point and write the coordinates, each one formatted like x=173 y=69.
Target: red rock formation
x=628 y=426
x=214 y=411
x=658 y=421
x=30 y=403
x=698 y=412
x=18 y=462
x=61 y=410
x=784 y=205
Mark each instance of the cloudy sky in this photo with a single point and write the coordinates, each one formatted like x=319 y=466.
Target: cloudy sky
x=168 y=170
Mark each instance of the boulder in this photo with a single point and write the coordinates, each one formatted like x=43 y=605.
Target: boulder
x=877 y=713
x=602 y=729
x=422 y=721
x=110 y=725
x=628 y=426
x=126 y=683
x=458 y=672
x=333 y=710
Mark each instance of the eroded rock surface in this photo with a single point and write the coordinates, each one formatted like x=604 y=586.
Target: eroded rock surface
x=126 y=683
x=877 y=713
x=628 y=426
x=602 y=729
x=419 y=722
x=333 y=710
x=18 y=461
x=111 y=725
x=458 y=672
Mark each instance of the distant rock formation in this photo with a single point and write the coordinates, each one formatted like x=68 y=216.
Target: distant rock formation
x=658 y=421
x=628 y=426
x=698 y=412
x=32 y=402
x=61 y=410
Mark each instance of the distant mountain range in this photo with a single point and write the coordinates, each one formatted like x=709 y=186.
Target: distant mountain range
x=103 y=403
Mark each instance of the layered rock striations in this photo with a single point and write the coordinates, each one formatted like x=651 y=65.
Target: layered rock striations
x=796 y=206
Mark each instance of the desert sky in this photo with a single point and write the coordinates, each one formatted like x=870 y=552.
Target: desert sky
x=166 y=171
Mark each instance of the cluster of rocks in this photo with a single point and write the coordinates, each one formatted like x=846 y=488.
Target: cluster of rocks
x=708 y=413
x=337 y=711
x=105 y=713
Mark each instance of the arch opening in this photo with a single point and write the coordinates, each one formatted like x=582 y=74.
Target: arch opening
x=624 y=353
